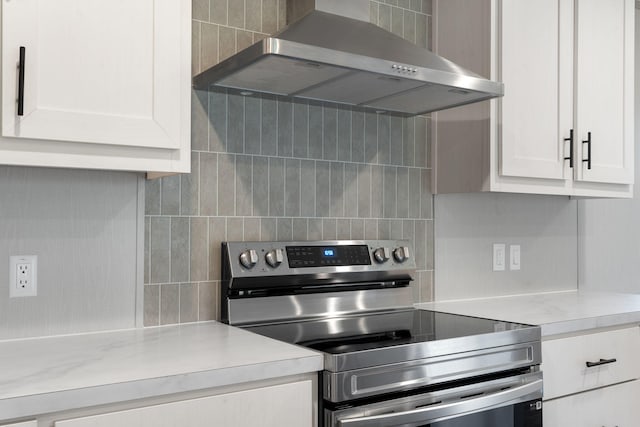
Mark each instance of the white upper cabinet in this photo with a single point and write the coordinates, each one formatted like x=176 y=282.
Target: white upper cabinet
x=567 y=67
x=106 y=83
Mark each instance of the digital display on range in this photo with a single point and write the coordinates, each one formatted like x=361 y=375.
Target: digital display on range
x=328 y=256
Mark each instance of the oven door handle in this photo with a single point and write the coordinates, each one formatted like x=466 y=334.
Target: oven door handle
x=432 y=413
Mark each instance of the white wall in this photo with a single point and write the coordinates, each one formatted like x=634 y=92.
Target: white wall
x=84 y=228
x=467 y=225
x=609 y=230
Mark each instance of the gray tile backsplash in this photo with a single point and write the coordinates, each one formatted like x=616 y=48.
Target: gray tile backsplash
x=266 y=169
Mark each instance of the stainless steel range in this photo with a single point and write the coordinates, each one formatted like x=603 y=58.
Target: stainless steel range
x=386 y=363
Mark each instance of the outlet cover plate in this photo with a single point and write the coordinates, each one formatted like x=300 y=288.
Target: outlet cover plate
x=23 y=276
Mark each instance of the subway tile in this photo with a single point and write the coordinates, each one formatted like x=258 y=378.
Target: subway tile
x=199 y=120
x=384 y=139
x=188 y=302
x=351 y=190
x=151 y=316
x=343 y=229
x=402 y=193
x=323 y=189
x=300 y=130
x=307 y=188
x=315 y=229
x=252 y=125
x=179 y=249
x=357 y=137
x=218 y=11
x=427 y=7
x=370 y=137
x=160 y=249
x=243 y=189
x=364 y=191
x=416 y=5
x=292 y=188
x=337 y=189
x=384 y=17
x=409 y=230
x=251 y=229
x=235 y=124
x=268 y=229
x=226 y=43
x=421 y=244
x=329 y=229
x=147 y=250
x=397 y=21
x=284 y=229
x=260 y=186
x=409 y=26
x=217 y=137
x=190 y=187
x=384 y=229
x=428 y=32
x=299 y=229
x=253 y=15
x=405 y=4
x=269 y=126
x=208 y=297
x=357 y=229
x=377 y=191
x=209 y=45
x=226 y=184
x=217 y=235
x=408 y=141
x=259 y=36
x=200 y=10
x=152 y=197
x=195 y=48
x=330 y=133
x=373 y=12
x=285 y=129
x=236 y=13
x=208 y=184
x=282 y=14
x=371 y=229
x=315 y=132
x=426 y=286
x=199 y=248
x=421 y=142
x=235 y=229
x=396 y=143
x=421 y=30
x=344 y=135
x=395 y=229
x=170 y=195
x=169 y=304
x=244 y=39
x=276 y=186
x=430 y=245
x=429 y=161
x=426 y=200
x=415 y=177
x=269 y=16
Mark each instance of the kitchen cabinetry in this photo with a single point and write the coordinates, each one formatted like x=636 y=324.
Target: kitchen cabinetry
x=96 y=84
x=565 y=123
x=601 y=394
x=22 y=424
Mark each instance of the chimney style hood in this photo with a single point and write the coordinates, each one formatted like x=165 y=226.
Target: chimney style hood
x=340 y=58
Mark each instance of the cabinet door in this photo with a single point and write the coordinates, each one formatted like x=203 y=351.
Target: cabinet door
x=604 y=89
x=98 y=71
x=610 y=406
x=286 y=405
x=536 y=68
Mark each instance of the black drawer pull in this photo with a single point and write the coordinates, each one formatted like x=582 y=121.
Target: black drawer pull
x=588 y=142
x=570 y=139
x=601 y=362
x=21 y=66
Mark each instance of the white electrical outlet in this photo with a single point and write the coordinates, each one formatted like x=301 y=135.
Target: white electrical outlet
x=499 y=256
x=23 y=276
x=514 y=257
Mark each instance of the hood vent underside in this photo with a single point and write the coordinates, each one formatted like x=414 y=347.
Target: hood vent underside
x=327 y=57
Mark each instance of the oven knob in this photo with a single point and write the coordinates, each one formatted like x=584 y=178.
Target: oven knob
x=401 y=254
x=249 y=258
x=274 y=257
x=381 y=255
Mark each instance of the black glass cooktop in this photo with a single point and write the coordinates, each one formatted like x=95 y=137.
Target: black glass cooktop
x=340 y=335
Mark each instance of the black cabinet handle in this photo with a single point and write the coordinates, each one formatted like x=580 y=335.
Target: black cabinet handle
x=601 y=362
x=570 y=139
x=588 y=142
x=21 y=66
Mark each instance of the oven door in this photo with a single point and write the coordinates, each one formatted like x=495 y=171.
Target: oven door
x=507 y=402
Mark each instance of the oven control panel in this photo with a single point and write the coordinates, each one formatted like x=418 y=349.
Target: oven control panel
x=250 y=259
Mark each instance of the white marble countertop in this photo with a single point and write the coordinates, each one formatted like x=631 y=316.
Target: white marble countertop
x=53 y=374
x=555 y=312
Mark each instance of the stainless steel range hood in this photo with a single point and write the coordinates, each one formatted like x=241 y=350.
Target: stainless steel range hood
x=339 y=58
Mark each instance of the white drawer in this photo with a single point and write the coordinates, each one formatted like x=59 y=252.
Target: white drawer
x=564 y=361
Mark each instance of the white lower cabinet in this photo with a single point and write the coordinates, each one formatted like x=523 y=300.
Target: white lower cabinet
x=613 y=406
x=32 y=423
x=284 y=405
